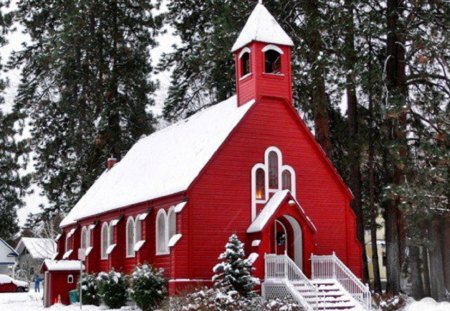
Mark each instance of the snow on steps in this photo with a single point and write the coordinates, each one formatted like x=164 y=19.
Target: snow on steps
x=332 y=296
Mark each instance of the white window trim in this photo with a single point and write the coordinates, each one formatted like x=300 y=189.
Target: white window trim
x=131 y=221
x=273 y=48
x=265 y=167
x=166 y=251
x=102 y=246
x=245 y=50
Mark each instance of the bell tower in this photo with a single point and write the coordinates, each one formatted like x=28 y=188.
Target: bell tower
x=262 y=56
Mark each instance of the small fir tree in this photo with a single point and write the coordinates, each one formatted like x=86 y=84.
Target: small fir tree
x=90 y=290
x=113 y=288
x=148 y=287
x=234 y=272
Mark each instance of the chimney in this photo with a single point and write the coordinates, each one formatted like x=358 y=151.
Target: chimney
x=111 y=162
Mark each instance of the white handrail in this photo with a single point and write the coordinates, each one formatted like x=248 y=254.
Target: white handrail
x=281 y=268
x=331 y=267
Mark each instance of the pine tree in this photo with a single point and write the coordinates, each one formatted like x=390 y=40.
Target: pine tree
x=234 y=272
x=85 y=89
x=13 y=184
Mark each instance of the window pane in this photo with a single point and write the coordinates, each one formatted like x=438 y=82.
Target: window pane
x=273 y=170
x=273 y=62
x=138 y=234
x=104 y=240
x=83 y=238
x=130 y=237
x=245 y=63
x=88 y=238
x=111 y=235
x=260 y=184
x=161 y=233
x=172 y=224
x=287 y=181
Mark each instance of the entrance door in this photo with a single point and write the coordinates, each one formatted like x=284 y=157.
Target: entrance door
x=287 y=239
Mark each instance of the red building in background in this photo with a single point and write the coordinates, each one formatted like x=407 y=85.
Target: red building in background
x=248 y=165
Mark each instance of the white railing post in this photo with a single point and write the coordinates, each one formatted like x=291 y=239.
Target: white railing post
x=286 y=273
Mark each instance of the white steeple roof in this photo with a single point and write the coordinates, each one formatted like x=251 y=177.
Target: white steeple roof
x=262 y=26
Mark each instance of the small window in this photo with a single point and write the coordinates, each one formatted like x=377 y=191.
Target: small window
x=273 y=170
x=260 y=184
x=161 y=233
x=105 y=239
x=272 y=62
x=111 y=235
x=84 y=239
x=70 y=279
x=287 y=180
x=245 y=64
x=172 y=223
x=67 y=245
x=130 y=237
x=138 y=229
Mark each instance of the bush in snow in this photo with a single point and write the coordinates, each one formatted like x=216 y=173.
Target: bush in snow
x=148 y=287
x=89 y=290
x=113 y=287
x=217 y=299
x=234 y=272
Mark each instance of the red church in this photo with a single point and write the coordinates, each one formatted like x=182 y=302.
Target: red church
x=248 y=165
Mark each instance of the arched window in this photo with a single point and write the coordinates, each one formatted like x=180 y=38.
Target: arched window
x=110 y=235
x=138 y=229
x=286 y=180
x=67 y=245
x=161 y=233
x=260 y=193
x=245 y=64
x=272 y=61
x=172 y=223
x=83 y=238
x=273 y=170
x=104 y=240
x=130 y=237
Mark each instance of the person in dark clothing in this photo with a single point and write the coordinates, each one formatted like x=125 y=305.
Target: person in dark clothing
x=37 y=283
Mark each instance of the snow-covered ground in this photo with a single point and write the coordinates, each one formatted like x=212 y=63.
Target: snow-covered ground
x=428 y=304
x=33 y=301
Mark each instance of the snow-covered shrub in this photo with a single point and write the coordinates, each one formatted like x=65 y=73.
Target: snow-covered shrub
x=234 y=272
x=89 y=290
x=113 y=288
x=217 y=299
x=389 y=303
x=148 y=287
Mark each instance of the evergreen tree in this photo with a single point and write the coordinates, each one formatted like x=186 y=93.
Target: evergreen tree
x=85 y=88
x=12 y=184
x=234 y=272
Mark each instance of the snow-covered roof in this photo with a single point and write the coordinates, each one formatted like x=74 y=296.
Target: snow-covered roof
x=62 y=265
x=8 y=250
x=163 y=163
x=38 y=248
x=271 y=207
x=261 y=26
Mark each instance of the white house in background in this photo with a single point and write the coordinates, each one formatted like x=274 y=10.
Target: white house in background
x=8 y=258
x=32 y=253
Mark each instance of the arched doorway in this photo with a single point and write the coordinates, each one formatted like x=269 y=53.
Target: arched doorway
x=287 y=237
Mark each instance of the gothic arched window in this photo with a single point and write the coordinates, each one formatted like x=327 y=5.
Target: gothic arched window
x=104 y=240
x=260 y=191
x=162 y=242
x=273 y=170
x=286 y=180
x=130 y=237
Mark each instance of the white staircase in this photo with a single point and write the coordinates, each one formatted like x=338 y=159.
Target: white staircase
x=333 y=286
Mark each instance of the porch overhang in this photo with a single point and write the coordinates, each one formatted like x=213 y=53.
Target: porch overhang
x=281 y=201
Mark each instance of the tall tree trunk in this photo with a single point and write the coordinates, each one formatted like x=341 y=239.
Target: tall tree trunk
x=426 y=272
x=416 y=275
x=437 y=283
x=446 y=249
x=396 y=85
x=353 y=122
x=319 y=96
